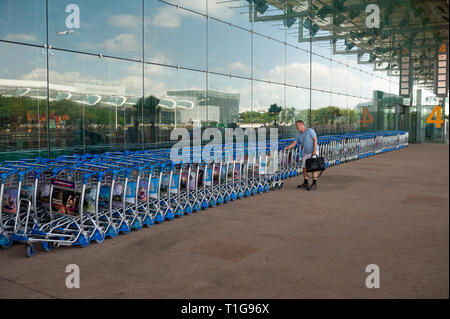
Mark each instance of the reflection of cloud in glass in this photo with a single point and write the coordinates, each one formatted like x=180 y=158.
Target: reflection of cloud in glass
x=21 y=37
x=239 y=66
x=167 y=17
x=125 y=42
x=127 y=21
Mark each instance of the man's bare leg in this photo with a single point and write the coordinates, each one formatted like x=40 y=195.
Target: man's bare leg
x=314 y=184
x=305 y=177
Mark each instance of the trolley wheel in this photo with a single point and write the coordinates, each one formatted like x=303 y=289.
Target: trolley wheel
x=148 y=221
x=84 y=240
x=179 y=211
x=169 y=214
x=137 y=225
x=188 y=209
x=99 y=236
x=124 y=229
x=47 y=245
x=112 y=232
x=159 y=219
x=8 y=242
x=30 y=249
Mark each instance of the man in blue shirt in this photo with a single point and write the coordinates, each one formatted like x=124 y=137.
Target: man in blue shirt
x=307 y=138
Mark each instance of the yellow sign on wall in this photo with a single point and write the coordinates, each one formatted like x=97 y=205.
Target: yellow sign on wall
x=437 y=110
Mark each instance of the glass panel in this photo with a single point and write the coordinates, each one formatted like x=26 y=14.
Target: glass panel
x=322 y=116
x=266 y=18
x=297 y=67
x=223 y=55
x=368 y=116
x=194 y=5
x=173 y=98
x=227 y=98
x=264 y=95
x=23 y=101
x=352 y=114
x=337 y=114
x=23 y=21
x=268 y=59
x=297 y=108
x=321 y=68
x=94 y=104
x=235 y=12
x=108 y=27
x=174 y=36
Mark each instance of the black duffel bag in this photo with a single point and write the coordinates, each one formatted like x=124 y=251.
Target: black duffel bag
x=315 y=164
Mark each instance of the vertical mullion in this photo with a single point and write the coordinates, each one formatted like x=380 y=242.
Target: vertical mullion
x=143 y=70
x=207 y=66
x=310 y=63
x=48 y=84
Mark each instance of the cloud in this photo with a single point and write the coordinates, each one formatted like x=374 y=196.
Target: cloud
x=127 y=21
x=239 y=66
x=167 y=17
x=125 y=42
x=170 y=16
x=150 y=69
x=55 y=77
x=219 y=11
x=330 y=78
x=21 y=37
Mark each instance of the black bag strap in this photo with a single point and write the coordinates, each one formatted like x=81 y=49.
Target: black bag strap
x=317 y=176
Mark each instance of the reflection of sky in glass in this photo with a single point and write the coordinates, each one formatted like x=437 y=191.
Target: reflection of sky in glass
x=23 y=21
x=176 y=37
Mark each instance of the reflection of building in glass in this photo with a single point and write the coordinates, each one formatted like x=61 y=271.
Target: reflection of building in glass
x=382 y=113
x=186 y=110
x=220 y=107
x=83 y=93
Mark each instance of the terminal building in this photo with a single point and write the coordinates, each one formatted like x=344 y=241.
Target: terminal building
x=75 y=76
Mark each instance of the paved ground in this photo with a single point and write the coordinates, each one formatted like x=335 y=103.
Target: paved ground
x=391 y=210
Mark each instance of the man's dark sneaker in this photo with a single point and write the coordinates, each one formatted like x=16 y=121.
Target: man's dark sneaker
x=304 y=185
x=311 y=187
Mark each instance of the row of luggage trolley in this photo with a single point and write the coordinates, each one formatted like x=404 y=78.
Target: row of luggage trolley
x=74 y=200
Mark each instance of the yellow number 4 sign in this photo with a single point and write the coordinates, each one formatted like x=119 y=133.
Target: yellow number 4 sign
x=366 y=117
x=438 y=121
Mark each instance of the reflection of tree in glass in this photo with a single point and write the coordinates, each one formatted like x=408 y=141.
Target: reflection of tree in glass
x=152 y=111
x=287 y=115
x=274 y=110
x=254 y=117
x=24 y=110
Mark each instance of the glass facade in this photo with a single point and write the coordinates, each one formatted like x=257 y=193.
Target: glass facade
x=90 y=76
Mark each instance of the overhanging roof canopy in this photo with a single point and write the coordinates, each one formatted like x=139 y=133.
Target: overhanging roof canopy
x=418 y=25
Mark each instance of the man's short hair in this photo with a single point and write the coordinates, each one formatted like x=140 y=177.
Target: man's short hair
x=299 y=121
